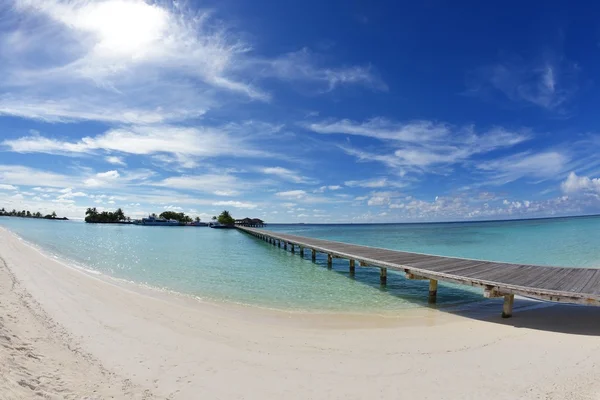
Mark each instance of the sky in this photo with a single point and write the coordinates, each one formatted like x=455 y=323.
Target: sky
x=314 y=111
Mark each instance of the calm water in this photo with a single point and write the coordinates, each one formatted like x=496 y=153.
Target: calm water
x=227 y=265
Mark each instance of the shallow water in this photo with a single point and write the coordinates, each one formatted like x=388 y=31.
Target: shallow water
x=227 y=265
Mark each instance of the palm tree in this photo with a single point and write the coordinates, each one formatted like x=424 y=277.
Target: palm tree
x=53 y=214
x=119 y=215
x=225 y=218
x=197 y=219
x=214 y=218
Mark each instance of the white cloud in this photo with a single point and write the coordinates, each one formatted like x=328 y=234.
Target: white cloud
x=102 y=179
x=382 y=128
x=576 y=184
x=115 y=160
x=236 y=204
x=108 y=175
x=303 y=66
x=7 y=187
x=21 y=175
x=419 y=145
x=286 y=174
x=297 y=194
x=139 y=62
x=182 y=142
x=543 y=165
x=375 y=183
x=322 y=189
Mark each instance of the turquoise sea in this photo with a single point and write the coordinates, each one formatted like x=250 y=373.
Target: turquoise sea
x=228 y=265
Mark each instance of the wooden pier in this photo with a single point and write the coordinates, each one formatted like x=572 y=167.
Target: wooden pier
x=559 y=284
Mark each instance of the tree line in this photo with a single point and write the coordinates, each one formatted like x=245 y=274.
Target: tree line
x=105 y=217
x=28 y=214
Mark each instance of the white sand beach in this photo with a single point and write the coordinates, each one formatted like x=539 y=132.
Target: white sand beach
x=67 y=333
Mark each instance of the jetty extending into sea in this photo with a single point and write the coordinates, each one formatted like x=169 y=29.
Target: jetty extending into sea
x=559 y=284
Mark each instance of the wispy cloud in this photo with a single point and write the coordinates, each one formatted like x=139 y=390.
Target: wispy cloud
x=305 y=66
x=420 y=145
x=286 y=174
x=549 y=83
x=182 y=143
x=138 y=62
x=115 y=160
x=541 y=166
x=323 y=189
x=7 y=187
x=374 y=183
x=236 y=204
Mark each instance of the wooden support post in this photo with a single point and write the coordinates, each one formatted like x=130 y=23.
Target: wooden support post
x=352 y=267
x=363 y=264
x=314 y=255
x=302 y=252
x=507 y=308
x=293 y=248
x=285 y=245
x=279 y=243
x=383 y=276
x=329 y=260
x=433 y=284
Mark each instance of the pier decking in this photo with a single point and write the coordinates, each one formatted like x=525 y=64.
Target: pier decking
x=559 y=284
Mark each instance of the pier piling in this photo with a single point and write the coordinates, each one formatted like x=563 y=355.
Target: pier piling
x=352 y=267
x=314 y=255
x=383 y=276
x=507 y=308
x=329 y=261
x=433 y=284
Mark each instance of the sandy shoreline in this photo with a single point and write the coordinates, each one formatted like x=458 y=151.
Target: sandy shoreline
x=68 y=334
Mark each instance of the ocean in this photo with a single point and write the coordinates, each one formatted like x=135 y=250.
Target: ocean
x=228 y=265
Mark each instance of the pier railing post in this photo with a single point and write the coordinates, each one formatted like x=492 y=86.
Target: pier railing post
x=329 y=260
x=314 y=255
x=383 y=276
x=433 y=284
x=352 y=267
x=507 y=308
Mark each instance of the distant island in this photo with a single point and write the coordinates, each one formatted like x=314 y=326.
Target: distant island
x=167 y=218
x=29 y=214
x=93 y=216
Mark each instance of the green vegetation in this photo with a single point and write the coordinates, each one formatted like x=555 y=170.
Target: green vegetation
x=105 y=217
x=29 y=214
x=181 y=217
x=225 y=218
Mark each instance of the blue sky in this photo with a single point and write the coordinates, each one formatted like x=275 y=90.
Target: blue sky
x=300 y=112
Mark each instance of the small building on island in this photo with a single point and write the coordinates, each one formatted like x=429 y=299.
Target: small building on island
x=250 y=222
